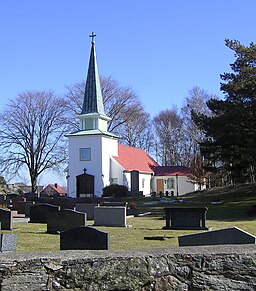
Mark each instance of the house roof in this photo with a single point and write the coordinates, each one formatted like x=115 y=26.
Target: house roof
x=58 y=188
x=172 y=171
x=131 y=158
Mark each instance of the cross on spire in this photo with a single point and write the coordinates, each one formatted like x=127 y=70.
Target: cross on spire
x=92 y=36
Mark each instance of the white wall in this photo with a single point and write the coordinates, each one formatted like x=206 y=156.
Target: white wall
x=147 y=183
x=101 y=149
x=184 y=185
x=109 y=149
x=116 y=171
x=147 y=176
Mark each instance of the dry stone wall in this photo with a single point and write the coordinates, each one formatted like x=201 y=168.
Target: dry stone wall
x=193 y=269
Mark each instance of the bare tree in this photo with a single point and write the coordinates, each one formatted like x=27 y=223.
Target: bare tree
x=169 y=136
x=32 y=134
x=195 y=102
x=137 y=131
x=121 y=104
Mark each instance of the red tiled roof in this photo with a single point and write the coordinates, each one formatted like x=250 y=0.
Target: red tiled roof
x=131 y=158
x=58 y=189
x=172 y=171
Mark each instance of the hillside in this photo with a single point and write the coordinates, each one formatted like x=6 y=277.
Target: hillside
x=234 y=201
x=225 y=203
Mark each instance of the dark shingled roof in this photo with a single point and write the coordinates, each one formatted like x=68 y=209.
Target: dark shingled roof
x=172 y=171
x=93 y=102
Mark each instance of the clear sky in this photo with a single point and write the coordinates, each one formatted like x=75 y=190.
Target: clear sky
x=161 y=48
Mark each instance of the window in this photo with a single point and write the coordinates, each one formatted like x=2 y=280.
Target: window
x=143 y=183
x=85 y=154
x=170 y=183
x=113 y=181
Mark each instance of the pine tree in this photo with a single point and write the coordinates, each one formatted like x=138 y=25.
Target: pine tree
x=231 y=129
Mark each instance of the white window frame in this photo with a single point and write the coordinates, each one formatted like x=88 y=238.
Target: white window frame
x=85 y=154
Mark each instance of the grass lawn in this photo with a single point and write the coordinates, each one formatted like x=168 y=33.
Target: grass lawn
x=236 y=201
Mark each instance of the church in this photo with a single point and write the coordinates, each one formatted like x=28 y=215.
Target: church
x=97 y=159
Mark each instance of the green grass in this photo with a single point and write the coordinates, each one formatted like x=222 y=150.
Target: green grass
x=232 y=212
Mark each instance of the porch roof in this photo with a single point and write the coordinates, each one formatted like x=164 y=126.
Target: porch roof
x=172 y=171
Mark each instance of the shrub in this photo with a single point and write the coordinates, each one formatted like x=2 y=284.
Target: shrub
x=115 y=190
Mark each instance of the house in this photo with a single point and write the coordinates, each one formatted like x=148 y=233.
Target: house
x=96 y=159
x=173 y=180
x=133 y=168
x=53 y=190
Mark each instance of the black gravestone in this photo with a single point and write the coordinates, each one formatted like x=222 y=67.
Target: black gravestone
x=6 y=219
x=38 y=213
x=84 y=238
x=64 y=220
x=232 y=235
x=185 y=218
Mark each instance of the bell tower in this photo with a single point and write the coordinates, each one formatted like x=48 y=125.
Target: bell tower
x=92 y=146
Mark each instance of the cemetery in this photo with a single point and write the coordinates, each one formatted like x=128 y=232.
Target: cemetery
x=42 y=232
x=137 y=255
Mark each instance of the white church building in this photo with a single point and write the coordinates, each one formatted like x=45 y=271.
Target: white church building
x=97 y=159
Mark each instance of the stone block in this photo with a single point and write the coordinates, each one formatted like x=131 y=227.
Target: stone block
x=39 y=212
x=84 y=238
x=6 y=219
x=8 y=242
x=64 y=220
x=232 y=235
x=87 y=208
x=110 y=216
x=185 y=218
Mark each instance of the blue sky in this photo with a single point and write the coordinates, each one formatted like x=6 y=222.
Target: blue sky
x=161 y=48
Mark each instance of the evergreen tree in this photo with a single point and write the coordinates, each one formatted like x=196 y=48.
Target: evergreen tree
x=231 y=129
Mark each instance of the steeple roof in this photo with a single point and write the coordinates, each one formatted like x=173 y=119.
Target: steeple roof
x=93 y=102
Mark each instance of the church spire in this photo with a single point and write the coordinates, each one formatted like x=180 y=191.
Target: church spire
x=93 y=101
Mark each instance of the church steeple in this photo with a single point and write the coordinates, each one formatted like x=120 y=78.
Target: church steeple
x=93 y=102
x=93 y=116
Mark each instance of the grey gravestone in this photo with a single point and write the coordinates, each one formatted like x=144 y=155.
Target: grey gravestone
x=6 y=219
x=8 y=242
x=84 y=238
x=110 y=216
x=87 y=208
x=232 y=235
x=65 y=219
x=185 y=218
x=38 y=213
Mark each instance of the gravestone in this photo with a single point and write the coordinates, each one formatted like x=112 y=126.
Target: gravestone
x=185 y=218
x=27 y=206
x=84 y=238
x=8 y=242
x=232 y=235
x=63 y=202
x=115 y=203
x=6 y=219
x=110 y=216
x=87 y=208
x=64 y=220
x=39 y=212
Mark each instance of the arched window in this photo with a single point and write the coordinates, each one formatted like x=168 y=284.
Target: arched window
x=170 y=183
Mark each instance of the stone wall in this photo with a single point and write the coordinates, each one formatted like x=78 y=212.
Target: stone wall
x=186 y=268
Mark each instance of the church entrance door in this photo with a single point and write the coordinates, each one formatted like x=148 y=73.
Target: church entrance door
x=160 y=185
x=85 y=185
